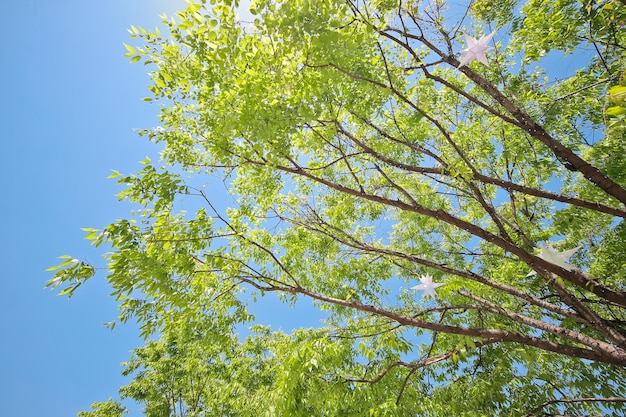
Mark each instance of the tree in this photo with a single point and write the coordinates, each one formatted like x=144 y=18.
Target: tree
x=357 y=157
x=105 y=409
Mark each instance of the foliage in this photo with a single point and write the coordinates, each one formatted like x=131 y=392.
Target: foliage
x=356 y=157
x=105 y=409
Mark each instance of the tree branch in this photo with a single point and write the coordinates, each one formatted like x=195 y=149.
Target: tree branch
x=575 y=400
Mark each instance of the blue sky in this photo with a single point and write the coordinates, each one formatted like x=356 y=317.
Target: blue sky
x=69 y=102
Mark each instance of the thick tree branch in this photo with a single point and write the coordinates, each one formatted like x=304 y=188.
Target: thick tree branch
x=350 y=241
x=520 y=118
x=545 y=326
x=561 y=151
x=508 y=185
x=575 y=400
x=576 y=277
x=486 y=335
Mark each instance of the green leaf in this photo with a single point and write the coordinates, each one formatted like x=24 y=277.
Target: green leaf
x=130 y=49
x=617 y=95
x=615 y=110
x=68 y=260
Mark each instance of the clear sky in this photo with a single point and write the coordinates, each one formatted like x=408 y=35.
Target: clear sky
x=69 y=103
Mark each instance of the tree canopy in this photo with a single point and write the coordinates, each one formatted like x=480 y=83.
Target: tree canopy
x=338 y=151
